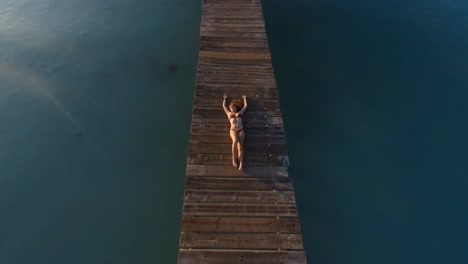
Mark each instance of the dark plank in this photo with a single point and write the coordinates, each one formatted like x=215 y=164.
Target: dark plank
x=233 y=80
x=237 y=184
x=241 y=225
x=223 y=129
x=257 y=95
x=250 y=159
x=235 y=55
x=259 y=41
x=257 y=24
x=250 y=15
x=241 y=68
x=212 y=3
x=235 y=61
x=234 y=74
x=231 y=29
x=225 y=139
x=228 y=170
x=273 y=149
x=253 y=104
x=233 y=35
x=240 y=210
x=233 y=49
x=226 y=3
x=237 y=89
x=240 y=241
x=213 y=196
x=223 y=19
x=217 y=111
x=187 y=256
x=252 y=121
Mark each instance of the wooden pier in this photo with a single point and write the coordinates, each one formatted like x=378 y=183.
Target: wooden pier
x=232 y=216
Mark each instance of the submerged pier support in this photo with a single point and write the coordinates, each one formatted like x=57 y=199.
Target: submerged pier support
x=232 y=216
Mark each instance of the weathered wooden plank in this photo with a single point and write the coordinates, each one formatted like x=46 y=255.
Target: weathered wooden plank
x=227 y=3
x=223 y=129
x=254 y=105
x=241 y=225
x=232 y=29
x=187 y=256
x=246 y=183
x=236 y=3
x=267 y=94
x=235 y=73
x=251 y=15
x=236 y=88
x=221 y=19
x=224 y=2
x=233 y=25
x=248 y=161
x=240 y=210
x=247 y=121
x=235 y=61
x=242 y=5
x=235 y=6
x=240 y=68
x=238 y=8
x=218 y=148
x=226 y=139
x=234 y=44
x=226 y=9
x=229 y=82
x=253 y=159
x=263 y=95
x=256 y=196
x=220 y=80
x=234 y=49
x=210 y=89
x=229 y=171
x=261 y=42
x=240 y=241
x=225 y=34
x=235 y=55
x=216 y=111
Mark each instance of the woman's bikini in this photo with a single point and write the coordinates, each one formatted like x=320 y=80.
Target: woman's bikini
x=236 y=115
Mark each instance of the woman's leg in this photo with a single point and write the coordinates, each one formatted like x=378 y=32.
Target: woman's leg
x=241 y=137
x=234 y=138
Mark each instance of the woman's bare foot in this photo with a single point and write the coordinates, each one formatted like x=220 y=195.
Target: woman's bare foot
x=240 y=166
x=234 y=162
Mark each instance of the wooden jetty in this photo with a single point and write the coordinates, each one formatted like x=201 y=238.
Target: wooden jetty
x=232 y=216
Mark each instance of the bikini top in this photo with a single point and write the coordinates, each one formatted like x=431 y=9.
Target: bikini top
x=234 y=115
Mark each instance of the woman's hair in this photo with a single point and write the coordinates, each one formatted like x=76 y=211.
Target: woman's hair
x=237 y=103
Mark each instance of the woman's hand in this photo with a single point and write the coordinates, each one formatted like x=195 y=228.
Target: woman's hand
x=243 y=96
x=225 y=96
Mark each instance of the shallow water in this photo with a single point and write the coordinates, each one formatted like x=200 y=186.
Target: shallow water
x=95 y=107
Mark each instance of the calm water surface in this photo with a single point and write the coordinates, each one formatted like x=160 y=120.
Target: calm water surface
x=95 y=106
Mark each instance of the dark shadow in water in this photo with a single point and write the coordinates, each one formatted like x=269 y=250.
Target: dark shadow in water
x=172 y=67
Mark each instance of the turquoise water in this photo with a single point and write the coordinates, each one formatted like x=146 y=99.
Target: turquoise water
x=95 y=106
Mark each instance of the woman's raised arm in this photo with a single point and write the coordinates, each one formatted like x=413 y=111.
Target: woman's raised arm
x=226 y=110
x=245 y=105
